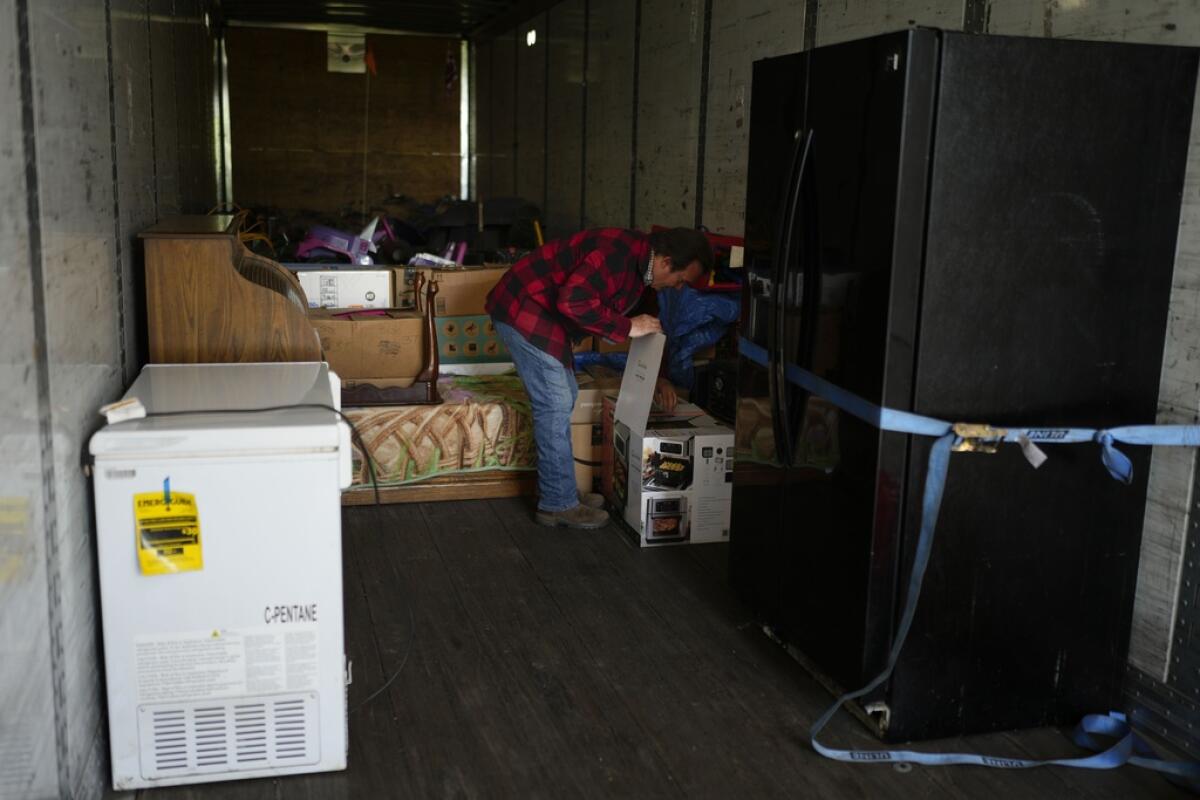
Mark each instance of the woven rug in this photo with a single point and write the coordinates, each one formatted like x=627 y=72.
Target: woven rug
x=485 y=423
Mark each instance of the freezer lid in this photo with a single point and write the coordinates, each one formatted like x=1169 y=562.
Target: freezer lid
x=208 y=388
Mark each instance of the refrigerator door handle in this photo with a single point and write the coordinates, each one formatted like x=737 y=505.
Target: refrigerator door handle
x=779 y=408
x=774 y=384
x=810 y=269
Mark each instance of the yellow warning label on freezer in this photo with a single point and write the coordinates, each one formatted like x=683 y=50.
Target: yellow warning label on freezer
x=168 y=532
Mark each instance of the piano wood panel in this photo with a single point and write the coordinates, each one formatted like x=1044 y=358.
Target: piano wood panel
x=201 y=309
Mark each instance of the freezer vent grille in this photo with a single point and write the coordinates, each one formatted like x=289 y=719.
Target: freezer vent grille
x=212 y=739
x=242 y=733
x=170 y=740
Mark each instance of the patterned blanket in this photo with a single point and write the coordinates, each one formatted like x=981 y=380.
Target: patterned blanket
x=485 y=423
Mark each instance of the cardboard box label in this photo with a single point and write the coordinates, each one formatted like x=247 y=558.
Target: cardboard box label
x=347 y=288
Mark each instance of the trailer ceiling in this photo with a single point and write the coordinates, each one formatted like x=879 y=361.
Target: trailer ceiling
x=447 y=17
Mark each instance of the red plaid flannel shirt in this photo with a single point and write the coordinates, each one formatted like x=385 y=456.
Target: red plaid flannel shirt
x=569 y=288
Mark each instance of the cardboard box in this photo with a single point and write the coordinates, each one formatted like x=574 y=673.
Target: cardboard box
x=679 y=482
x=607 y=424
x=671 y=483
x=712 y=487
x=379 y=383
x=605 y=346
x=590 y=402
x=608 y=409
x=347 y=288
x=585 y=447
x=372 y=344
x=469 y=340
x=461 y=292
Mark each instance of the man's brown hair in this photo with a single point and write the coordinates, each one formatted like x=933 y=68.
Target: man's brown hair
x=683 y=246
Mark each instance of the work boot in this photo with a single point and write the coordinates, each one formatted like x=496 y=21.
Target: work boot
x=580 y=516
x=591 y=499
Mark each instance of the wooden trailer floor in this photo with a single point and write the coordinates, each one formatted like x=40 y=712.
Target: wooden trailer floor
x=535 y=662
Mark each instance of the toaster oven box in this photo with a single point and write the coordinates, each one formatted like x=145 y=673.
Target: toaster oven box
x=608 y=414
x=673 y=483
x=670 y=483
x=712 y=481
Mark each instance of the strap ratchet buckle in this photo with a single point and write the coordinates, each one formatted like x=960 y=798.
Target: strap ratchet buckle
x=977 y=438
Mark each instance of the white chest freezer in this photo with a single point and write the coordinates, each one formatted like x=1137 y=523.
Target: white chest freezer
x=221 y=575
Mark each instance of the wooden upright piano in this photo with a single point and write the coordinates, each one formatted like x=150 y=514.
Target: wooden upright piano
x=209 y=299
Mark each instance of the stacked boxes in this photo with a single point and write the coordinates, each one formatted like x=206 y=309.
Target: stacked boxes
x=465 y=332
x=461 y=292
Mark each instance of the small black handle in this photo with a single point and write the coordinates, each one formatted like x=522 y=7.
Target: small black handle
x=782 y=421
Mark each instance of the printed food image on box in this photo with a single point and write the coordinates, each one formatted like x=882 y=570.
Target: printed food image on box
x=665 y=465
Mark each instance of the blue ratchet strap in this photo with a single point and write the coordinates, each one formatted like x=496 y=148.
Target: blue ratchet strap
x=1124 y=746
x=883 y=418
x=1116 y=462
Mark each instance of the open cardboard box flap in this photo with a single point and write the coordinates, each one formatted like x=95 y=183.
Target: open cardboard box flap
x=636 y=399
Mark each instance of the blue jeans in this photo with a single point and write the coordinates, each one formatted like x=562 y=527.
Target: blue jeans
x=552 y=390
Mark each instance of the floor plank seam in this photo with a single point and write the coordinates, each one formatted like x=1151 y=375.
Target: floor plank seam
x=581 y=641
x=398 y=568
x=375 y=638
x=458 y=594
x=549 y=594
x=795 y=740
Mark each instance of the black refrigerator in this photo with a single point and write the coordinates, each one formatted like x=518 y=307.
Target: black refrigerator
x=979 y=229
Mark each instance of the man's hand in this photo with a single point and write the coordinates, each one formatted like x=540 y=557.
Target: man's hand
x=664 y=395
x=644 y=325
